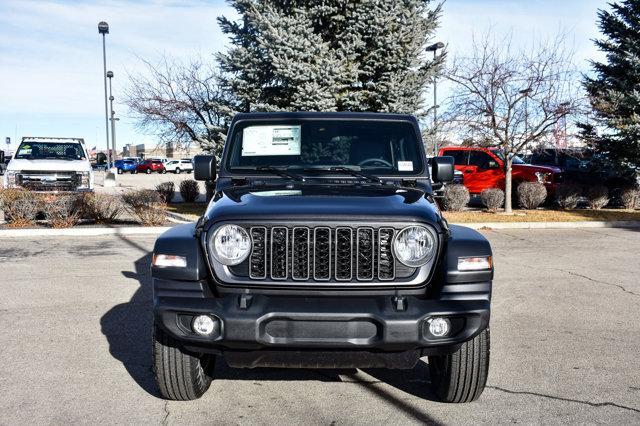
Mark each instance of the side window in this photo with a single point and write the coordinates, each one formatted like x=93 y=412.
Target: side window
x=460 y=157
x=479 y=159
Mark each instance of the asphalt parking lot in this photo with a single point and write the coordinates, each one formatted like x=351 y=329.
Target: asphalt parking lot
x=128 y=181
x=75 y=333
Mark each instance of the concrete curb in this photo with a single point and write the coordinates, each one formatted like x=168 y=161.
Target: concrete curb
x=84 y=232
x=156 y=230
x=553 y=225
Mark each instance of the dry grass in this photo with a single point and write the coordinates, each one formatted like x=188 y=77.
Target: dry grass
x=578 y=215
x=191 y=211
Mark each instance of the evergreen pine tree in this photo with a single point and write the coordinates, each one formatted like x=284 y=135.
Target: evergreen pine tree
x=330 y=55
x=614 y=91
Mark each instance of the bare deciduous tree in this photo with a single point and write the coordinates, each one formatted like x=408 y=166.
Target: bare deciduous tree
x=181 y=103
x=512 y=98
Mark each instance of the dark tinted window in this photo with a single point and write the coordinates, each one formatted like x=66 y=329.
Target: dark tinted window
x=460 y=157
x=50 y=150
x=479 y=159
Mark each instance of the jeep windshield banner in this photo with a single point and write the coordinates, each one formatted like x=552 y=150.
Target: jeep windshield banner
x=271 y=140
x=387 y=147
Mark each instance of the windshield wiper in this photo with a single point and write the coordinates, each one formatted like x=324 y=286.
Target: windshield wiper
x=347 y=170
x=274 y=171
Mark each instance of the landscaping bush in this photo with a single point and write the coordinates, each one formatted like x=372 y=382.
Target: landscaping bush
x=62 y=211
x=597 y=197
x=166 y=191
x=456 y=197
x=147 y=205
x=531 y=195
x=189 y=190
x=492 y=199
x=103 y=208
x=630 y=198
x=568 y=195
x=20 y=206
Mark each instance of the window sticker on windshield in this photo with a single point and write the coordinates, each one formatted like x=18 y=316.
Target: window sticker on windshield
x=405 y=166
x=271 y=140
x=25 y=150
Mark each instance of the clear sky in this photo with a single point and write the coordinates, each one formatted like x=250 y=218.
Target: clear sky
x=51 y=52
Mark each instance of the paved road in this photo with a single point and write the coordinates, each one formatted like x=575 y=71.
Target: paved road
x=75 y=334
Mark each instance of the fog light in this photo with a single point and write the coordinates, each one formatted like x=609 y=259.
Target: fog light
x=204 y=325
x=439 y=327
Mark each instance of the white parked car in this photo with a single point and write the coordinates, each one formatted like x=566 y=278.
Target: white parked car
x=178 y=166
x=50 y=165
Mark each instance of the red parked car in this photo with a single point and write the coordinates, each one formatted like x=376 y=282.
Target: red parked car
x=148 y=166
x=483 y=168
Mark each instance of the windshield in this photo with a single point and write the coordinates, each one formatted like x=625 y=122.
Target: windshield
x=50 y=151
x=382 y=147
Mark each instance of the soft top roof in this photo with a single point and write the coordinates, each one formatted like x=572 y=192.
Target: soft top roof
x=323 y=115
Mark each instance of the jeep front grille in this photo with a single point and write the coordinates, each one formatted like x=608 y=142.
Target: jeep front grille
x=321 y=253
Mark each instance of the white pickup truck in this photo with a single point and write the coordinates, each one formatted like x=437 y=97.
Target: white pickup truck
x=50 y=165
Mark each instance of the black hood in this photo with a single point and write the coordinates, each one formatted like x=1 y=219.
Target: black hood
x=323 y=202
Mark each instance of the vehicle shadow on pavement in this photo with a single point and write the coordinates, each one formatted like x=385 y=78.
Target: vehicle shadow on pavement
x=128 y=326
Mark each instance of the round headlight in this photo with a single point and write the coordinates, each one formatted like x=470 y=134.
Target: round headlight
x=230 y=244
x=414 y=246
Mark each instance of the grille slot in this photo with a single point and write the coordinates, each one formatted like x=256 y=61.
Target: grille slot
x=301 y=254
x=279 y=252
x=365 y=254
x=258 y=260
x=386 y=261
x=322 y=254
x=344 y=254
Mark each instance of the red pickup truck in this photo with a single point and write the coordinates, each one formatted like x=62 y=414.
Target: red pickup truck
x=483 y=168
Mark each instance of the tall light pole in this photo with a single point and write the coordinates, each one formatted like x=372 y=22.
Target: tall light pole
x=103 y=28
x=113 y=119
x=526 y=92
x=433 y=48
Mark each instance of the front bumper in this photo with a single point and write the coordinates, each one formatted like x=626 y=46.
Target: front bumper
x=332 y=323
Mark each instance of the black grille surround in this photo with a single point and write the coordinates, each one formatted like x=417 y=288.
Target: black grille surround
x=328 y=255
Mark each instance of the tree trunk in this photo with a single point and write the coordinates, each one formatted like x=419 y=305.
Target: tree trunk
x=507 y=184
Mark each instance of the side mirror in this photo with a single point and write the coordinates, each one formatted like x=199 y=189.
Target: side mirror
x=492 y=164
x=204 y=167
x=442 y=169
x=1 y=157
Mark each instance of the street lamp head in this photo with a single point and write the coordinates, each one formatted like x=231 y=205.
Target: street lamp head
x=109 y=74
x=434 y=47
x=111 y=98
x=103 y=27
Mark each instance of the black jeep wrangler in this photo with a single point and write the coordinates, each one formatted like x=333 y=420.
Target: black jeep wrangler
x=322 y=248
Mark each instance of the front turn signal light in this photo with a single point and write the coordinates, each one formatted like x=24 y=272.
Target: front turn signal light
x=163 y=260
x=482 y=263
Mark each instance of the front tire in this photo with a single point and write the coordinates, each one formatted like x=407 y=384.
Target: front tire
x=180 y=375
x=119 y=171
x=177 y=171
x=462 y=375
x=148 y=171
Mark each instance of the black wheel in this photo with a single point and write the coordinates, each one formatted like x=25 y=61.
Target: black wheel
x=461 y=375
x=148 y=171
x=163 y=171
x=134 y=171
x=177 y=170
x=180 y=375
x=119 y=171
